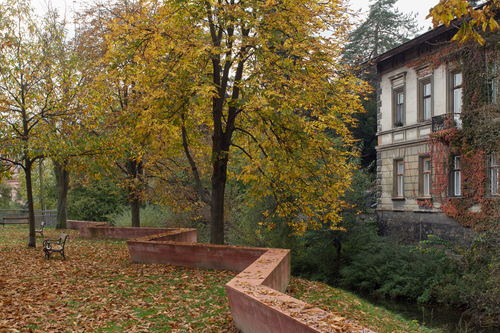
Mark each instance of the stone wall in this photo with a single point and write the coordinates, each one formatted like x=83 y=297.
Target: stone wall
x=412 y=227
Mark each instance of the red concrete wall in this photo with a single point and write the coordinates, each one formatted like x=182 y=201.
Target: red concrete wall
x=75 y=225
x=193 y=255
x=178 y=235
x=260 y=315
x=255 y=295
x=127 y=233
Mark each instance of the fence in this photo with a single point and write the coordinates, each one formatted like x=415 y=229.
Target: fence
x=49 y=216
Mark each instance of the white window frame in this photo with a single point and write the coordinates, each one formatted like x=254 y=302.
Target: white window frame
x=400 y=106
x=400 y=170
x=456 y=97
x=426 y=100
x=457 y=176
x=494 y=169
x=426 y=176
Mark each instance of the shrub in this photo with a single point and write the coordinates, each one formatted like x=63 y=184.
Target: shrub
x=95 y=202
x=152 y=216
x=389 y=269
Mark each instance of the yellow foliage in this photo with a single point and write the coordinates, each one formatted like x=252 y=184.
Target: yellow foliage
x=250 y=90
x=483 y=17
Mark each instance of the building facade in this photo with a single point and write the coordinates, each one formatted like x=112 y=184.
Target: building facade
x=417 y=97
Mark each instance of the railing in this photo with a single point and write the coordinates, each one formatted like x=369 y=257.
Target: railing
x=446 y=121
x=49 y=216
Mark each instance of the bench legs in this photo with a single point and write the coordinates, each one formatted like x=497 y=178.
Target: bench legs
x=49 y=252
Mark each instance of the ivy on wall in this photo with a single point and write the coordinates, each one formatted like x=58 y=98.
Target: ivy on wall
x=476 y=140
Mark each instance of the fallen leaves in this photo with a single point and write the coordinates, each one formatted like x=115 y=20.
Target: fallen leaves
x=98 y=289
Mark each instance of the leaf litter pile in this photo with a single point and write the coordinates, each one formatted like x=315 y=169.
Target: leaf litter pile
x=98 y=289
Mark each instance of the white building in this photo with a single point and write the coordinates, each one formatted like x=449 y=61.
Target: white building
x=415 y=96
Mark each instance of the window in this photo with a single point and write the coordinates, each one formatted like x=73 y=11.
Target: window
x=400 y=100
x=493 y=84
x=400 y=169
x=426 y=175
x=457 y=98
x=425 y=99
x=494 y=174
x=456 y=180
x=398 y=83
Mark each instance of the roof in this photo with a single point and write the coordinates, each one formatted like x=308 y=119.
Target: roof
x=425 y=37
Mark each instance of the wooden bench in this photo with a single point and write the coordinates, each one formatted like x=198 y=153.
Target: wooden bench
x=40 y=231
x=14 y=220
x=54 y=245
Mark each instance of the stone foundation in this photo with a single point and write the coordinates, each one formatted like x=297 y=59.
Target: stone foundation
x=413 y=226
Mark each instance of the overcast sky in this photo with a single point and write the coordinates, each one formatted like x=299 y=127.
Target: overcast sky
x=405 y=6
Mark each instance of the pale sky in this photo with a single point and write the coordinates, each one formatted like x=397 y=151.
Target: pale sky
x=405 y=6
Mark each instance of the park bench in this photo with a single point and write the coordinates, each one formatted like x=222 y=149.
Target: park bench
x=14 y=220
x=40 y=231
x=54 y=245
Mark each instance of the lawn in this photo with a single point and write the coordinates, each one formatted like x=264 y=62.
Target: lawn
x=98 y=289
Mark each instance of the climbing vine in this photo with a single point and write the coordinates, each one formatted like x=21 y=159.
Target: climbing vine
x=478 y=137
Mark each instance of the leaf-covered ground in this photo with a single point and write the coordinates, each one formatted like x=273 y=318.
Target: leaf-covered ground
x=98 y=289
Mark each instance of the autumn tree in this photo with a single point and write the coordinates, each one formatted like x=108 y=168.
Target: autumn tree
x=69 y=76
x=25 y=94
x=116 y=103
x=40 y=86
x=264 y=78
x=472 y=16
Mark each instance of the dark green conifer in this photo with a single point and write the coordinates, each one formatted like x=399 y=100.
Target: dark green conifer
x=384 y=29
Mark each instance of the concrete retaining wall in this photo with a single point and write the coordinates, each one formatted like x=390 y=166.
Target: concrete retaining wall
x=103 y=231
x=75 y=225
x=256 y=297
x=193 y=255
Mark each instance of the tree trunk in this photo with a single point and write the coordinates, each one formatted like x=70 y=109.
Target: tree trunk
x=40 y=172
x=220 y=156
x=217 y=207
x=134 y=173
x=135 y=206
x=31 y=209
x=62 y=180
x=338 y=248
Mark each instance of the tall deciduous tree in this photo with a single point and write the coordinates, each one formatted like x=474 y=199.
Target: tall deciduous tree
x=25 y=94
x=40 y=93
x=264 y=78
x=70 y=73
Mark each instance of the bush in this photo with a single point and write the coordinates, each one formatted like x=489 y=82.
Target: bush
x=478 y=278
x=389 y=269
x=95 y=202
x=428 y=274
x=152 y=216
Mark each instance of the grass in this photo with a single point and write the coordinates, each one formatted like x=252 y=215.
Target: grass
x=98 y=289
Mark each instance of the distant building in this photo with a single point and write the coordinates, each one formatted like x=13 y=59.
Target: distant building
x=14 y=185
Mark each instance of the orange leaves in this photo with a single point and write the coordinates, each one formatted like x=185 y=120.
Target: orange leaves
x=98 y=288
